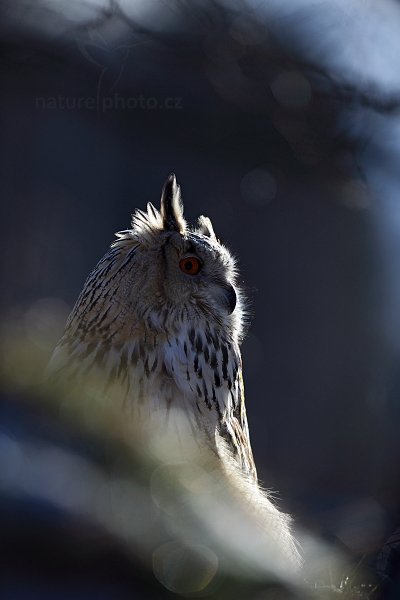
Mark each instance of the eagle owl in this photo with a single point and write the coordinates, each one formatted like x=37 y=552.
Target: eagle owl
x=162 y=314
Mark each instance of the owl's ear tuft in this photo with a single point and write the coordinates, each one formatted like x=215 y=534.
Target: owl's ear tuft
x=171 y=206
x=205 y=227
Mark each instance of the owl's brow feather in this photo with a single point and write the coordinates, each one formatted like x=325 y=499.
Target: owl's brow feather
x=163 y=253
x=190 y=247
x=194 y=240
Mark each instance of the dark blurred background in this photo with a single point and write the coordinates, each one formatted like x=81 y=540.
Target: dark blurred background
x=281 y=123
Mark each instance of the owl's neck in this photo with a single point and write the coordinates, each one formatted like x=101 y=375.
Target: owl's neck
x=195 y=368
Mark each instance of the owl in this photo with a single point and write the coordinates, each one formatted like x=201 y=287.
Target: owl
x=162 y=315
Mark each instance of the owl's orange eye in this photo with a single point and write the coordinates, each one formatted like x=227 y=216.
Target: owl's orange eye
x=190 y=265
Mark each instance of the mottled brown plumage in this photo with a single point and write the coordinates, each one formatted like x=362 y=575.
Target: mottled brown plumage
x=162 y=316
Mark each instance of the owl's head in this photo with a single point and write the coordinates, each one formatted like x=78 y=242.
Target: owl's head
x=162 y=273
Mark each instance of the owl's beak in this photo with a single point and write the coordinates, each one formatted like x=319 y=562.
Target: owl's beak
x=230 y=297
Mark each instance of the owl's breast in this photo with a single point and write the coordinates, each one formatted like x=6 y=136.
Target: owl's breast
x=156 y=373
x=205 y=369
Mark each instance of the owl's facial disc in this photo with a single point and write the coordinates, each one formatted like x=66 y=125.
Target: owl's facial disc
x=198 y=273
